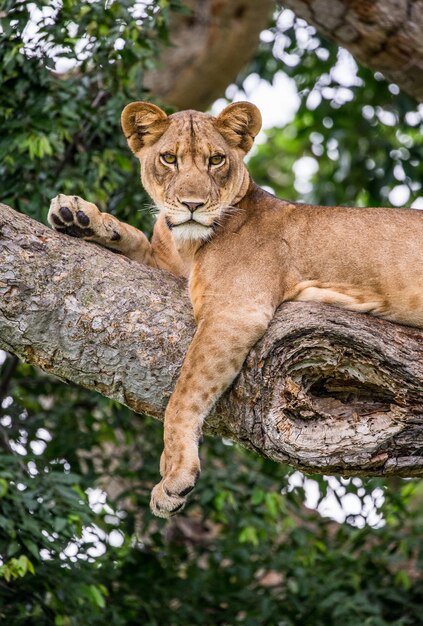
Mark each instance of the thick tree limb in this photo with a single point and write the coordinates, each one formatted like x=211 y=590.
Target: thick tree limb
x=385 y=35
x=325 y=390
x=209 y=48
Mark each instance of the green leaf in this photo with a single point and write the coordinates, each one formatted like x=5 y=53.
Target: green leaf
x=403 y=579
x=248 y=535
x=12 y=548
x=32 y=547
x=96 y=596
x=4 y=486
x=257 y=496
x=59 y=524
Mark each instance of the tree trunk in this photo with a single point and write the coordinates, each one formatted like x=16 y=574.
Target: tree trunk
x=325 y=390
x=209 y=47
x=385 y=35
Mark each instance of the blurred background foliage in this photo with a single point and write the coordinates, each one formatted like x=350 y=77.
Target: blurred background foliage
x=258 y=543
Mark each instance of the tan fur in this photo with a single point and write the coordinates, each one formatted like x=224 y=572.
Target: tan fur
x=244 y=252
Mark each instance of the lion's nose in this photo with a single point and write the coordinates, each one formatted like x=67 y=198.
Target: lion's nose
x=192 y=205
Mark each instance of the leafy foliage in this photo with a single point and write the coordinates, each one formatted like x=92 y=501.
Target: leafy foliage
x=247 y=550
x=361 y=134
x=62 y=130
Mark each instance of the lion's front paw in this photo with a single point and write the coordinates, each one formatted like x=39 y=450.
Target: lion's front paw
x=170 y=494
x=73 y=216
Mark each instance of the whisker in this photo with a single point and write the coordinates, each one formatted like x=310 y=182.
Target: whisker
x=149 y=208
x=233 y=209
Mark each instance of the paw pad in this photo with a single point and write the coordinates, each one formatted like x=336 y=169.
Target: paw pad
x=57 y=220
x=82 y=218
x=66 y=214
x=69 y=218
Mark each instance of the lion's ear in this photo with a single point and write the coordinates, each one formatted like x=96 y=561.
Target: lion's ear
x=239 y=123
x=143 y=123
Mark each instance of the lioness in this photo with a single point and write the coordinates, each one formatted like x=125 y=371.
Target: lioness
x=244 y=252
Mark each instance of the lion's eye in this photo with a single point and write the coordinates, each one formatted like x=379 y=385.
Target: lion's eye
x=168 y=158
x=216 y=159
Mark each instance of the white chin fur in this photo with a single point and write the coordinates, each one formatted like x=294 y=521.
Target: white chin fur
x=192 y=232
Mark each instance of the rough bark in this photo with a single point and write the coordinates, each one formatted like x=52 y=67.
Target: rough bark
x=209 y=47
x=325 y=390
x=385 y=35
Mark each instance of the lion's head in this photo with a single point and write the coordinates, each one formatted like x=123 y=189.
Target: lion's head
x=191 y=162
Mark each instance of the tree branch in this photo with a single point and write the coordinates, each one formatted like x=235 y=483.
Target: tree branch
x=385 y=35
x=325 y=390
x=209 y=47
